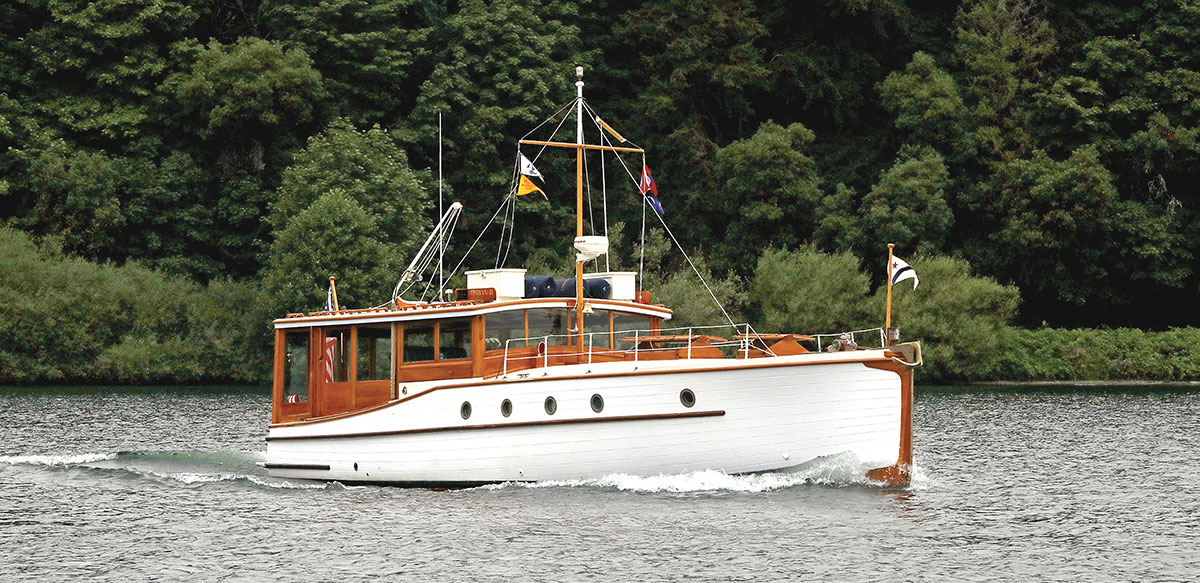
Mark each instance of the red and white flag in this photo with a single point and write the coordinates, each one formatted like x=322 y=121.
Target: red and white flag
x=330 y=343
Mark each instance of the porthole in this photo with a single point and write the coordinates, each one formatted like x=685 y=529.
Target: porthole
x=687 y=397
x=551 y=405
x=506 y=408
x=597 y=403
x=465 y=410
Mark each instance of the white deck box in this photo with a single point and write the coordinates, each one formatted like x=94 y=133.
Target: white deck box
x=508 y=283
x=624 y=283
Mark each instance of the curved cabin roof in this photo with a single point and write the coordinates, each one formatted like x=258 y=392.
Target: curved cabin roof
x=416 y=312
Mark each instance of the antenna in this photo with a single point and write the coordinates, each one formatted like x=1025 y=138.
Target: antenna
x=441 y=245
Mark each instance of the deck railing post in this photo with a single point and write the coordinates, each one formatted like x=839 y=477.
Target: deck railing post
x=689 y=353
x=591 y=339
x=546 y=355
x=636 y=345
x=505 y=368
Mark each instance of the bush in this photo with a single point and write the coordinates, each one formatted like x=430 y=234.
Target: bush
x=1098 y=354
x=957 y=317
x=64 y=319
x=807 y=291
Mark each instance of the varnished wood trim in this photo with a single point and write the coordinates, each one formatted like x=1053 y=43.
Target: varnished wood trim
x=435 y=311
x=582 y=146
x=899 y=473
x=687 y=415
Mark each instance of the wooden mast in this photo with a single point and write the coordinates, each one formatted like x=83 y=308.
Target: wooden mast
x=579 y=202
x=579 y=147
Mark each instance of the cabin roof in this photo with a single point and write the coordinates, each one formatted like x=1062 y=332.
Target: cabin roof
x=417 y=312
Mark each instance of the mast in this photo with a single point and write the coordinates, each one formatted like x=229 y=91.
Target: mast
x=579 y=200
x=580 y=147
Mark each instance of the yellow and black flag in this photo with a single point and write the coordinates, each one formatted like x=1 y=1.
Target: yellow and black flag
x=526 y=185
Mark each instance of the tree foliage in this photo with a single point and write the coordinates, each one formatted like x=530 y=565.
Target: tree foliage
x=1052 y=145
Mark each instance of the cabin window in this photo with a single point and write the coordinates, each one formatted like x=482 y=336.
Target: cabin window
x=629 y=322
x=374 y=353
x=454 y=339
x=295 y=367
x=336 y=355
x=596 y=324
x=501 y=327
x=552 y=322
x=418 y=342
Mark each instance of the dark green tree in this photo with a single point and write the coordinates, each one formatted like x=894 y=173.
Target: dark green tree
x=334 y=236
x=767 y=196
x=366 y=166
x=908 y=205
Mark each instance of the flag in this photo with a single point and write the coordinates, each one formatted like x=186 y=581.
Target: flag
x=527 y=186
x=528 y=170
x=902 y=271
x=647 y=182
x=330 y=344
x=329 y=298
x=649 y=189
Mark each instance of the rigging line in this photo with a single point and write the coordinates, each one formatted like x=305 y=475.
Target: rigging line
x=642 y=256
x=604 y=205
x=552 y=134
x=695 y=269
x=587 y=180
x=512 y=205
x=476 y=241
x=443 y=242
x=564 y=106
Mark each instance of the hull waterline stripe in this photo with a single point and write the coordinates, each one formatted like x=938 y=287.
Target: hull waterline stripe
x=271 y=466
x=688 y=415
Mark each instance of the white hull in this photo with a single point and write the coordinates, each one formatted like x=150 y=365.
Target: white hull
x=749 y=416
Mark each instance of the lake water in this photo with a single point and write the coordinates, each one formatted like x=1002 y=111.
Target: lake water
x=1011 y=485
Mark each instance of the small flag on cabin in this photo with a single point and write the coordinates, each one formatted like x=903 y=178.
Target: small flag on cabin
x=902 y=271
x=649 y=189
x=330 y=344
x=329 y=298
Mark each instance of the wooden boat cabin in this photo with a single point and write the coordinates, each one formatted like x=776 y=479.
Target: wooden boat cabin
x=331 y=363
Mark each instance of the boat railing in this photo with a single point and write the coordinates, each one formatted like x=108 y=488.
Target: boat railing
x=853 y=336
x=685 y=342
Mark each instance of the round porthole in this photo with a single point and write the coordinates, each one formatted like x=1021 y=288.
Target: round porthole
x=597 y=403
x=687 y=397
x=551 y=405
x=506 y=407
x=465 y=410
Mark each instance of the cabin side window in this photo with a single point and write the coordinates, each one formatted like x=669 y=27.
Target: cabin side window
x=625 y=324
x=374 y=353
x=335 y=355
x=501 y=327
x=418 y=342
x=595 y=325
x=552 y=322
x=454 y=339
x=295 y=367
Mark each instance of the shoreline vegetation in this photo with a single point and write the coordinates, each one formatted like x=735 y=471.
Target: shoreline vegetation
x=68 y=320
x=175 y=175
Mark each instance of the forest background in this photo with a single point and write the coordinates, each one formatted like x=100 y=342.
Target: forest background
x=174 y=175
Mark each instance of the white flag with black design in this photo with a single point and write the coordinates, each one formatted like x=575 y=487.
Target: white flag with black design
x=528 y=170
x=902 y=271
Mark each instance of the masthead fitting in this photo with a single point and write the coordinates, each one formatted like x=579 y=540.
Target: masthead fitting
x=579 y=72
